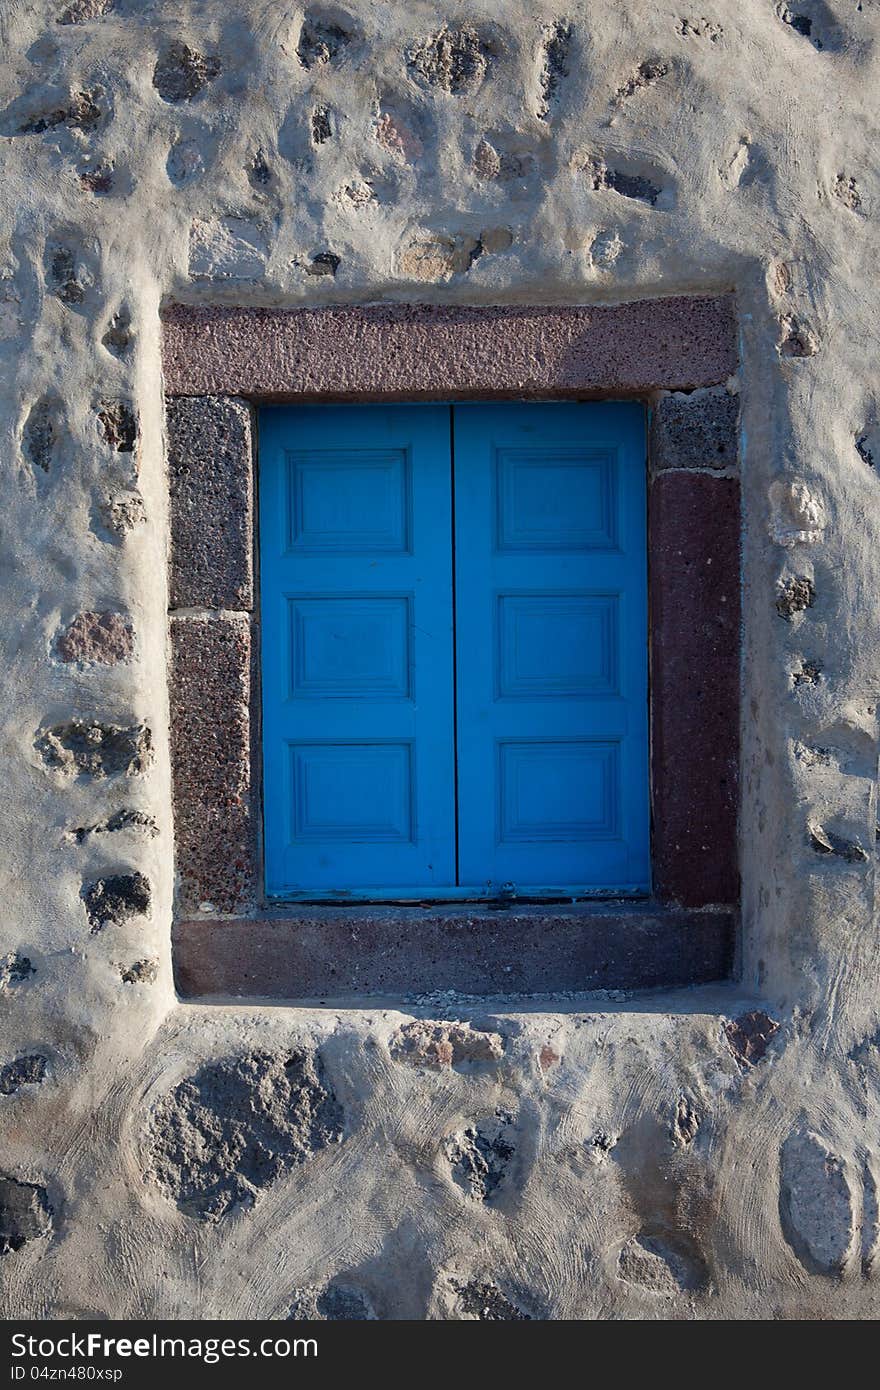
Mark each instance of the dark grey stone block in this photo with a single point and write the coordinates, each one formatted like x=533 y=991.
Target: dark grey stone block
x=211 y=497
x=697 y=429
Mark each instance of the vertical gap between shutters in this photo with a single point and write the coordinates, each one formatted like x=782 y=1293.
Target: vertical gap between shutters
x=454 y=637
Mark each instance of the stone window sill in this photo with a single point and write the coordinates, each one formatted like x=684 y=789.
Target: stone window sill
x=320 y=952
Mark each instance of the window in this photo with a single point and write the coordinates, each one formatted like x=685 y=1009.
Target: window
x=454 y=650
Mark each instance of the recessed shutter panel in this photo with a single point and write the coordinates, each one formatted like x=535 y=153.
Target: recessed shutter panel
x=357 y=659
x=551 y=621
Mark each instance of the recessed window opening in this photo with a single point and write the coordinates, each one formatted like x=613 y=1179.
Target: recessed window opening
x=454 y=651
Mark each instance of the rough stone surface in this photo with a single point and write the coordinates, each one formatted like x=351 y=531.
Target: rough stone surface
x=429 y=1043
x=222 y=1136
x=434 y=350
x=113 y=900
x=761 y=139
x=40 y=433
x=815 y=1202
x=29 y=1070
x=119 y=426
x=319 y=952
x=334 y=1303
x=77 y=111
x=455 y=60
x=211 y=758
x=748 y=1036
x=90 y=748
x=15 y=968
x=140 y=972
x=125 y=819
x=695 y=521
x=478 y=1155
x=320 y=41
x=102 y=639
x=794 y=594
x=25 y=1214
x=686 y=1121
x=80 y=10
x=209 y=478
x=696 y=430
x=484 y=1302
x=181 y=72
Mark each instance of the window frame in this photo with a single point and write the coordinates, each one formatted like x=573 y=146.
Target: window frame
x=221 y=365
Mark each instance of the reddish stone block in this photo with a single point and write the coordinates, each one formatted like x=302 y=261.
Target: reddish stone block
x=437 y=351
x=694 y=522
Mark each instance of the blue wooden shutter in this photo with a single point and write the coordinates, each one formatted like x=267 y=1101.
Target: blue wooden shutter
x=551 y=599
x=357 y=661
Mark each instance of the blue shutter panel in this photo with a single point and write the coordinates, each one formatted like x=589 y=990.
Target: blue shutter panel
x=356 y=585
x=551 y=605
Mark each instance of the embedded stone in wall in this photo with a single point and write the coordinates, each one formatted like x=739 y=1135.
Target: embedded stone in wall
x=605 y=249
x=121 y=513
x=695 y=429
x=259 y=171
x=482 y=1301
x=398 y=137
x=102 y=639
x=40 y=434
x=140 y=972
x=815 y=1203
x=273 y=1112
x=455 y=60
x=320 y=40
x=210 y=751
x=228 y=248
x=65 y=277
x=97 y=175
x=500 y=158
x=699 y=29
x=661 y=1264
x=119 y=425
x=434 y=257
x=324 y=263
x=825 y=841
x=794 y=594
x=479 y=1155
x=846 y=191
x=749 y=1036
x=185 y=162
x=435 y=1044
x=116 y=899
x=628 y=185
x=94 y=749
x=685 y=1122
x=553 y=67
x=181 y=72
x=645 y=75
x=29 y=1070
x=334 y=1303
x=77 y=111
x=125 y=819
x=209 y=475
x=320 y=126
x=80 y=10
x=797 y=513
x=796 y=339
x=14 y=970
x=25 y=1214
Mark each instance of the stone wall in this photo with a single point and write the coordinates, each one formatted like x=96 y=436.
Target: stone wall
x=711 y=1153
